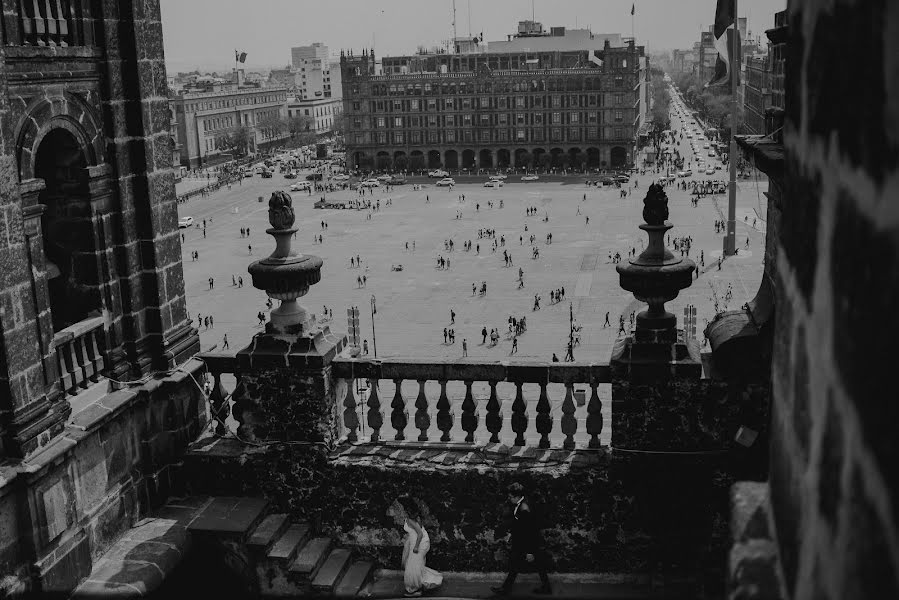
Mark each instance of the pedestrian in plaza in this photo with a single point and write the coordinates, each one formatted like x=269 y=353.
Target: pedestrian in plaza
x=364 y=346
x=464 y=347
x=607 y=324
x=526 y=547
x=225 y=345
x=445 y=334
x=514 y=344
x=452 y=317
x=484 y=335
x=212 y=321
x=250 y=248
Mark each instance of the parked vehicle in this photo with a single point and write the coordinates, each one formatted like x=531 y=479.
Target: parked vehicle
x=685 y=173
x=300 y=186
x=493 y=183
x=396 y=180
x=530 y=178
x=290 y=175
x=314 y=177
x=438 y=173
x=446 y=181
x=185 y=222
x=370 y=183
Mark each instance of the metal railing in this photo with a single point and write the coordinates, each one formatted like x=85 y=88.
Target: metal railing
x=59 y=23
x=79 y=354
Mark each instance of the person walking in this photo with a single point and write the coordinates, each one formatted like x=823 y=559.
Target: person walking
x=525 y=544
x=484 y=335
x=417 y=577
x=464 y=348
x=607 y=324
x=225 y=342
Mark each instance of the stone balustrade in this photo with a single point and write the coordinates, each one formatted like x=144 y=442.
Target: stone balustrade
x=80 y=354
x=460 y=393
x=59 y=23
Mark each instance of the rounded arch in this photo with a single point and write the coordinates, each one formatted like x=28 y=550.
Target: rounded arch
x=434 y=161
x=592 y=156
x=618 y=157
x=468 y=159
x=451 y=158
x=64 y=111
x=503 y=158
x=485 y=159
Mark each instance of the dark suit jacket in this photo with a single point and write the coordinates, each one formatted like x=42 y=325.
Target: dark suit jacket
x=524 y=525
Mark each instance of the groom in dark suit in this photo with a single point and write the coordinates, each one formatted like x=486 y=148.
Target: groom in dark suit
x=526 y=544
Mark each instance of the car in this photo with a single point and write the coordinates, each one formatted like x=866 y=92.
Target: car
x=497 y=177
x=712 y=154
x=685 y=173
x=689 y=136
x=300 y=186
x=438 y=173
x=383 y=178
x=185 y=222
x=266 y=174
x=718 y=167
x=370 y=183
x=314 y=177
x=493 y=183
x=621 y=178
x=530 y=178
x=396 y=180
x=341 y=177
x=290 y=175
x=710 y=171
x=706 y=146
x=446 y=181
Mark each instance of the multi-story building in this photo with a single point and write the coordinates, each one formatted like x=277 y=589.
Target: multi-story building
x=756 y=97
x=495 y=109
x=321 y=111
x=777 y=52
x=207 y=115
x=708 y=56
x=316 y=77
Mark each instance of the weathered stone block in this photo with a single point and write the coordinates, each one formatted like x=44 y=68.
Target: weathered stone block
x=63 y=569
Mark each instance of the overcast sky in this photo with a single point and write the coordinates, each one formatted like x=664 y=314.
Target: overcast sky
x=204 y=33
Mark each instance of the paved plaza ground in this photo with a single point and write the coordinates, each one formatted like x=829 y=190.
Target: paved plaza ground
x=413 y=306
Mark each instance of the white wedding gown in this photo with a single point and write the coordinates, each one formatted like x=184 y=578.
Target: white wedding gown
x=416 y=576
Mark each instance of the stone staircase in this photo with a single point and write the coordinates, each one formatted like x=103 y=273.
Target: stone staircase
x=281 y=557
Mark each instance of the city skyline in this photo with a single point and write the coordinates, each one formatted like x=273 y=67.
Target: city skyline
x=657 y=24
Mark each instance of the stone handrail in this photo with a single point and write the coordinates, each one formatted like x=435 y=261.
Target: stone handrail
x=79 y=354
x=421 y=371
x=58 y=23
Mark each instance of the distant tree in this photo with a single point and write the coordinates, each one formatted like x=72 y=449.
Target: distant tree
x=236 y=141
x=302 y=129
x=271 y=126
x=338 y=124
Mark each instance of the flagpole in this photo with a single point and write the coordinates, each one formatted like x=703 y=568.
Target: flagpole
x=730 y=242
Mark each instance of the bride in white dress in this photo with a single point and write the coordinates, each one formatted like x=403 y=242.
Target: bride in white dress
x=417 y=577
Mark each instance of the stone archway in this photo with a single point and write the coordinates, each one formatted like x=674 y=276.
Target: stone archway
x=416 y=160
x=451 y=159
x=503 y=158
x=46 y=114
x=593 y=157
x=361 y=159
x=556 y=156
x=618 y=157
x=576 y=158
x=383 y=160
x=523 y=158
x=400 y=160
x=485 y=159
x=468 y=161
x=434 y=159
x=539 y=161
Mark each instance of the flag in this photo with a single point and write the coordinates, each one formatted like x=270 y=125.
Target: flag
x=243 y=57
x=633 y=7
x=724 y=24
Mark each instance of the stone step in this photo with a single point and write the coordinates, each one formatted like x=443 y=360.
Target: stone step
x=331 y=571
x=354 y=579
x=228 y=516
x=270 y=529
x=310 y=557
x=285 y=548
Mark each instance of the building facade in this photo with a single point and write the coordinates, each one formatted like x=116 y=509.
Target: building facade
x=756 y=97
x=206 y=116
x=313 y=73
x=495 y=110
x=322 y=111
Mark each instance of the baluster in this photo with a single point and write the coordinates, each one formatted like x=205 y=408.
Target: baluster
x=399 y=418
x=217 y=400
x=469 y=413
x=494 y=415
x=594 y=417
x=26 y=18
x=78 y=362
x=544 y=419
x=62 y=24
x=350 y=418
x=422 y=419
x=569 y=423
x=93 y=353
x=444 y=413
x=52 y=29
x=375 y=418
x=519 y=416
x=66 y=372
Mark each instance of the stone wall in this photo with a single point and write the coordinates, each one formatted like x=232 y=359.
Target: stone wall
x=117 y=458
x=834 y=444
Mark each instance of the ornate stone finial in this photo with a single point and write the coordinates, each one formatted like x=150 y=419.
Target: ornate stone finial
x=656 y=276
x=655 y=205
x=280 y=210
x=285 y=275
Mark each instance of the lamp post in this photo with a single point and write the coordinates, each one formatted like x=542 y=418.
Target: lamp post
x=571 y=331
x=374 y=339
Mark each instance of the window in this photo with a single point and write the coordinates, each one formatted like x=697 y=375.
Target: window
x=413 y=104
x=619 y=81
x=591 y=133
x=379 y=105
x=434 y=137
x=538 y=101
x=591 y=116
x=467 y=134
x=382 y=138
x=397 y=105
x=432 y=121
x=573 y=118
x=502 y=102
x=501 y=135
x=538 y=118
x=617 y=115
x=416 y=137
x=450 y=135
x=448 y=104
x=519 y=102
x=415 y=121
x=557 y=118
x=624 y=63
x=574 y=134
x=358 y=138
x=618 y=134
x=485 y=102
x=618 y=98
x=519 y=134
x=432 y=104
x=398 y=138
x=503 y=119
x=380 y=121
x=466 y=120
x=520 y=119
x=537 y=135
x=557 y=101
x=485 y=136
x=398 y=121
x=466 y=103
x=485 y=120
x=557 y=134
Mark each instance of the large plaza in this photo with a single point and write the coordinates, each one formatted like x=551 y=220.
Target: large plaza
x=414 y=305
